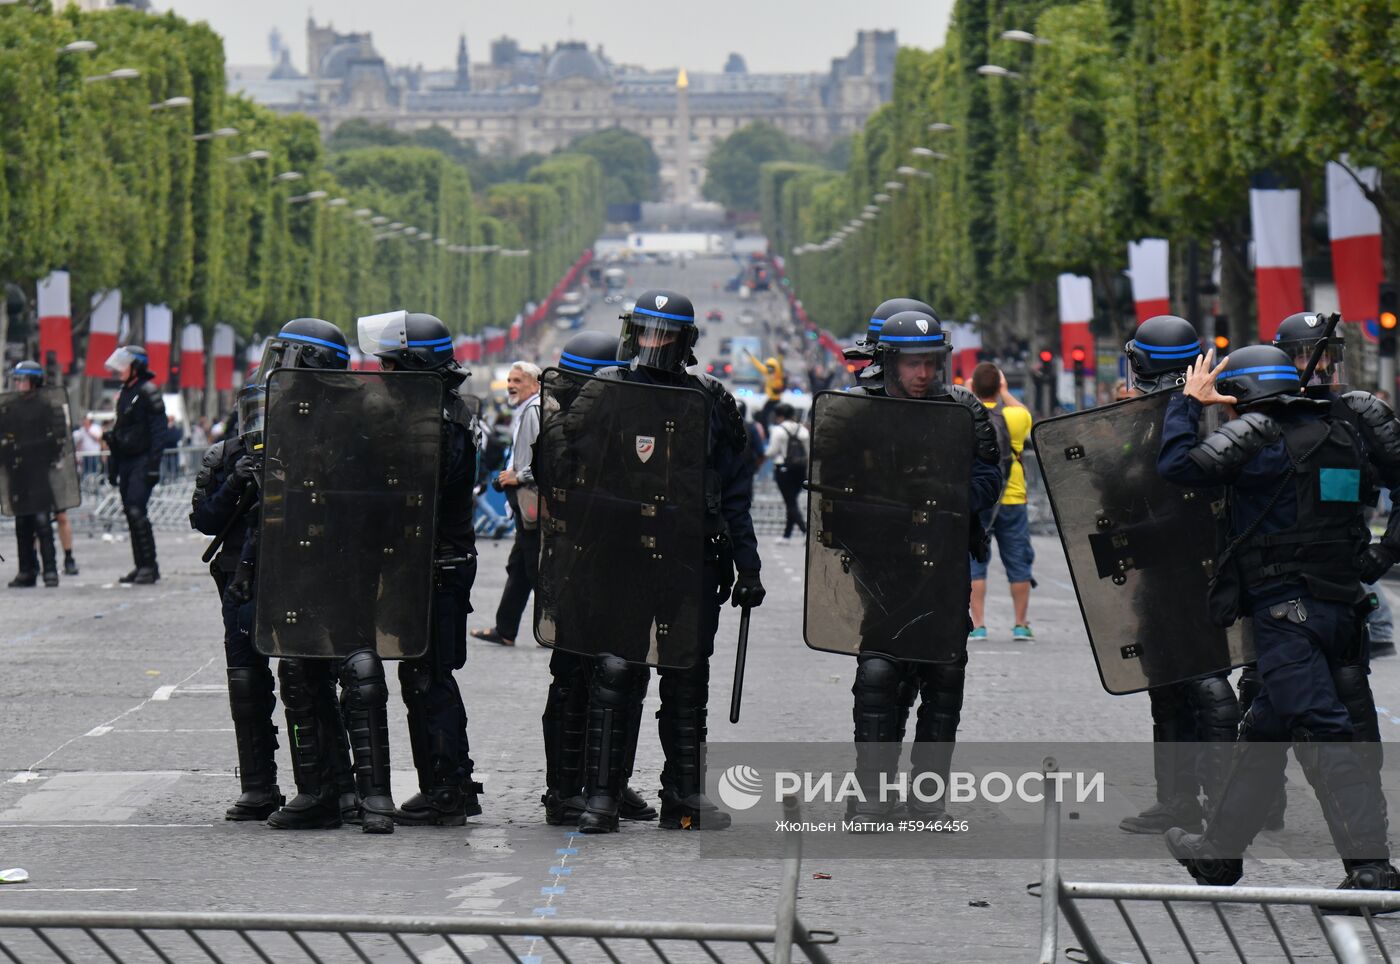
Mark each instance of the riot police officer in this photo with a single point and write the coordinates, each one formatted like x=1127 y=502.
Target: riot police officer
x=913 y=354
x=224 y=490
x=1298 y=476
x=319 y=747
x=136 y=441
x=566 y=706
x=437 y=718
x=1192 y=722
x=656 y=342
x=864 y=348
x=28 y=470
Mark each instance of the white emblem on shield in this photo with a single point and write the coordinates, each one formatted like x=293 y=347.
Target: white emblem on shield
x=923 y=326
x=661 y=302
x=646 y=444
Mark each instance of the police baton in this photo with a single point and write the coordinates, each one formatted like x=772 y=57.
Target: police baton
x=245 y=502
x=740 y=657
x=1320 y=347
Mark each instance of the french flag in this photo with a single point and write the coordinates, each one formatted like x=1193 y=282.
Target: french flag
x=223 y=358
x=160 y=322
x=1278 y=256
x=252 y=358
x=1076 y=311
x=1147 y=268
x=56 y=320
x=1354 y=225
x=192 y=356
x=104 y=327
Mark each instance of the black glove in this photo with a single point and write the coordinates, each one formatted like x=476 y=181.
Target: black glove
x=748 y=590
x=111 y=474
x=1376 y=561
x=240 y=587
x=153 y=471
x=245 y=470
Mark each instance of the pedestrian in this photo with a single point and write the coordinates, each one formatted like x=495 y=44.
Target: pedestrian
x=32 y=439
x=137 y=441
x=1290 y=466
x=518 y=482
x=87 y=446
x=1008 y=521
x=788 y=445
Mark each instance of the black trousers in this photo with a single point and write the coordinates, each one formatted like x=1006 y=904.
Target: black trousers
x=521 y=571
x=790 y=485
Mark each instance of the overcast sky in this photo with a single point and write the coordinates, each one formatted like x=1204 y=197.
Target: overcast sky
x=773 y=35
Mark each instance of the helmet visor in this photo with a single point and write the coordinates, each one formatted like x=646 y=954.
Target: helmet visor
x=659 y=343
x=1331 y=367
x=123 y=358
x=916 y=372
x=387 y=331
x=252 y=416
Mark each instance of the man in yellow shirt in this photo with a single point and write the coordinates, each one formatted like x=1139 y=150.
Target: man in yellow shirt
x=1010 y=525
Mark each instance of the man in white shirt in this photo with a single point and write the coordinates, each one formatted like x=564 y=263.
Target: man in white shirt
x=523 y=386
x=788 y=445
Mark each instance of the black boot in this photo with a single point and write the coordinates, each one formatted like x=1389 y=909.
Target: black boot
x=251 y=703
x=43 y=526
x=1204 y=862
x=882 y=694
x=1373 y=875
x=70 y=565
x=24 y=580
x=935 y=732
x=27 y=558
x=605 y=744
x=364 y=704
x=681 y=725
x=311 y=735
x=565 y=723
x=1174 y=759
x=144 y=539
x=443 y=806
x=633 y=805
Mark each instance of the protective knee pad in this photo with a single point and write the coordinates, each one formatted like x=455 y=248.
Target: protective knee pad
x=940 y=710
x=1353 y=687
x=685 y=688
x=1216 y=709
x=135 y=514
x=612 y=681
x=362 y=677
x=250 y=692
x=415 y=680
x=298 y=686
x=1249 y=685
x=878 y=705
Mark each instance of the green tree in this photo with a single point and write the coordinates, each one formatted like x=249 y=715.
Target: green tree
x=731 y=172
x=631 y=169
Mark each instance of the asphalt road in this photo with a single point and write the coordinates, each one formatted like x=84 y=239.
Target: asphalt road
x=117 y=756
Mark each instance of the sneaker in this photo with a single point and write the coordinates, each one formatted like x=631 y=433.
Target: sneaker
x=1021 y=634
x=70 y=566
x=977 y=635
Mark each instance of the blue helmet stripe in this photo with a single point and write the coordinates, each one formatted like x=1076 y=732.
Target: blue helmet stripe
x=688 y=319
x=1281 y=370
x=292 y=336
x=28 y=370
x=1170 y=351
x=926 y=339
x=567 y=358
x=877 y=323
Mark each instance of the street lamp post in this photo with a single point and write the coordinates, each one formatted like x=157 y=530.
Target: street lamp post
x=250 y=156
x=121 y=73
x=219 y=134
x=171 y=103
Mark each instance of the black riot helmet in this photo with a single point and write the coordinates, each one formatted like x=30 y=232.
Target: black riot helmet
x=914 y=354
x=863 y=347
x=589 y=351
x=1159 y=353
x=1258 y=373
x=304 y=343
x=414 y=341
x=659 y=332
x=1298 y=335
x=26 y=376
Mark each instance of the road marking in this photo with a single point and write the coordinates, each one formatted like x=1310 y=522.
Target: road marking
x=17 y=778
x=91 y=797
x=163 y=693
x=105 y=826
x=69 y=890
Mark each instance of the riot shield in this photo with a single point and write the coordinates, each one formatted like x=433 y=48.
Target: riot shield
x=349 y=503
x=1140 y=549
x=622 y=503
x=38 y=472
x=889 y=520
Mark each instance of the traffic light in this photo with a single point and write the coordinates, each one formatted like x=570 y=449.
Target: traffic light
x=1222 y=333
x=1077 y=356
x=173 y=381
x=1388 y=318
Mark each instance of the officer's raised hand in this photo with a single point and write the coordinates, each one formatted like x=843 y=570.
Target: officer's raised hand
x=1200 y=380
x=1376 y=561
x=245 y=470
x=748 y=590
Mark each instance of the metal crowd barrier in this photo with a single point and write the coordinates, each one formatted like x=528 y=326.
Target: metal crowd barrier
x=1203 y=923
x=167 y=938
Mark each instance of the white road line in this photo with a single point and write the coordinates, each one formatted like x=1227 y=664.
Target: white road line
x=69 y=890
x=106 y=826
x=163 y=693
x=22 y=778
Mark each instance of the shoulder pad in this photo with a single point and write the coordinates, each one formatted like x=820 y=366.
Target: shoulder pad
x=726 y=408
x=151 y=393
x=985 y=433
x=1230 y=447
x=1378 y=424
x=214 y=455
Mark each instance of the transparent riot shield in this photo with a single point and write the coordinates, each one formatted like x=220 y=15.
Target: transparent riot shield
x=349 y=502
x=1140 y=549
x=889 y=522
x=38 y=472
x=622 y=504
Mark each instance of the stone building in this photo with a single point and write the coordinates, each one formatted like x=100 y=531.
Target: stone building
x=522 y=101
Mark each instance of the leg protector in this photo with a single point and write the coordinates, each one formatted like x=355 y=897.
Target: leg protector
x=564 y=723
x=28 y=559
x=1217 y=723
x=935 y=731
x=143 y=546
x=364 y=701
x=606 y=742
x=634 y=807
x=878 y=712
x=43 y=530
x=1345 y=777
x=685 y=695
x=311 y=735
x=1353 y=687
x=251 y=703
